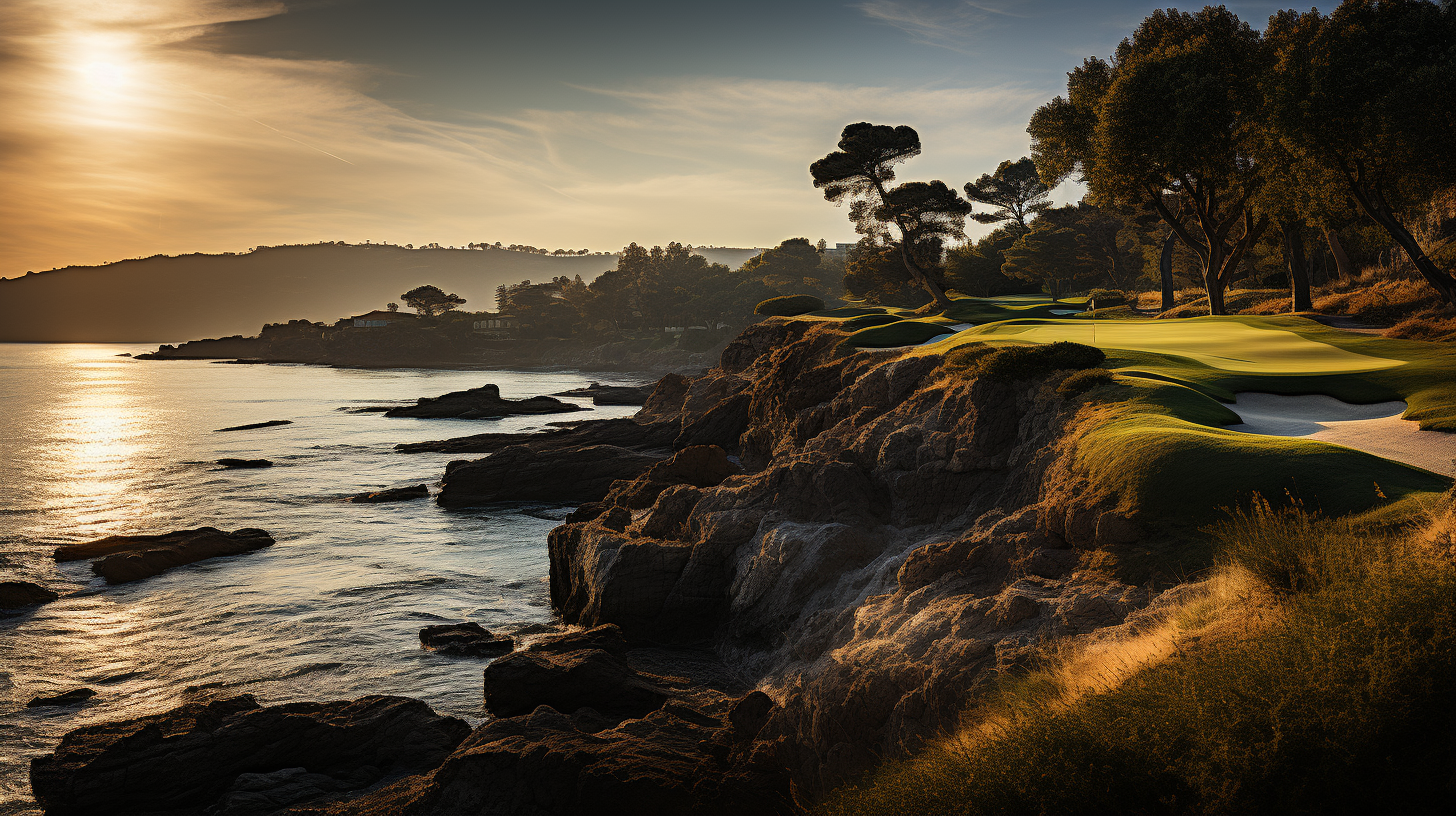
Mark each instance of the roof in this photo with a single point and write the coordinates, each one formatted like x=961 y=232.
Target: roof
x=379 y=314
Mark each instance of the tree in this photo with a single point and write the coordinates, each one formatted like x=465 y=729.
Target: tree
x=1048 y=254
x=393 y=307
x=794 y=266
x=430 y=300
x=1366 y=100
x=1173 y=112
x=975 y=268
x=1014 y=190
x=924 y=213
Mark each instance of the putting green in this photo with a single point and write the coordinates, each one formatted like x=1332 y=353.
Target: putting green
x=1230 y=345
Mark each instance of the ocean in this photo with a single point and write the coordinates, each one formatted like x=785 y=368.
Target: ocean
x=95 y=444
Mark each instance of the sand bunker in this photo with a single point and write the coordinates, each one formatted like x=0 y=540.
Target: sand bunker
x=1375 y=428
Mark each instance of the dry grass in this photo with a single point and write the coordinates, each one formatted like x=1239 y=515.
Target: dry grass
x=1324 y=688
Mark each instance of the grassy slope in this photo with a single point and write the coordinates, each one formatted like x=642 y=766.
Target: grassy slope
x=1156 y=437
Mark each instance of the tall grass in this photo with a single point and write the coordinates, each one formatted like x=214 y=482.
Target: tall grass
x=1342 y=704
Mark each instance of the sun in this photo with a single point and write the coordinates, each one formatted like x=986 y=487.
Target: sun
x=107 y=76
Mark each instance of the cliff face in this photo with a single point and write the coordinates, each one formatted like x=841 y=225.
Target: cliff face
x=902 y=533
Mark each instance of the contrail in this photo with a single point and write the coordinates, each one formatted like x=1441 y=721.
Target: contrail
x=270 y=127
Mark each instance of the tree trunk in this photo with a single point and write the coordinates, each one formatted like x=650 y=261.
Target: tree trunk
x=920 y=277
x=1342 y=261
x=1165 y=269
x=1298 y=267
x=1376 y=208
x=1213 y=280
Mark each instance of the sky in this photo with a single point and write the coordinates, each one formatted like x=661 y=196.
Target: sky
x=142 y=127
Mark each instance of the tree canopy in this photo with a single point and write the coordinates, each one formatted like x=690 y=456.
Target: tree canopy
x=431 y=300
x=923 y=213
x=1015 y=192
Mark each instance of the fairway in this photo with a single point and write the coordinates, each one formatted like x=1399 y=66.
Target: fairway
x=1228 y=345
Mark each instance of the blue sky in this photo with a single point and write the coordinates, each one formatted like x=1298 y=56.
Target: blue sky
x=146 y=126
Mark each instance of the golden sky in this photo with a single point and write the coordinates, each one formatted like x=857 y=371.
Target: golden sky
x=137 y=127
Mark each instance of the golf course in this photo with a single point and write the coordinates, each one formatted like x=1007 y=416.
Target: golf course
x=1167 y=429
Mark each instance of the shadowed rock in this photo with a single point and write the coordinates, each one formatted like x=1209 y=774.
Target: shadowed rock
x=466 y=639
x=65 y=698
x=20 y=594
x=245 y=463
x=612 y=394
x=569 y=476
x=272 y=423
x=567 y=681
x=393 y=494
x=480 y=403
x=623 y=433
x=190 y=757
x=131 y=558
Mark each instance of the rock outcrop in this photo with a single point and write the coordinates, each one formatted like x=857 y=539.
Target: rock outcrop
x=71 y=697
x=865 y=538
x=611 y=394
x=21 y=594
x=484 y=402
x=244 y=463
x=235 y=753
x=621 y=433
x=523 y=473
x=465 y=639
x=393 y=494
x=272 y=423
x=131 y=558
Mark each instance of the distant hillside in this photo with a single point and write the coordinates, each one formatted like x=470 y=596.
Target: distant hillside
x=171 y=299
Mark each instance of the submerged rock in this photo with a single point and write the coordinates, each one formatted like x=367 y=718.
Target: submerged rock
x=272 y=423
x=468 y=639
x=20 y=594
x=65 y=698
x=235 y=752
x=393 y=494
x=131 y=558
x=484 y=402
x=245 y=463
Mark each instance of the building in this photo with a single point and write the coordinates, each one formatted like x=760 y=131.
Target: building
x=378 y=319
x=495 y=323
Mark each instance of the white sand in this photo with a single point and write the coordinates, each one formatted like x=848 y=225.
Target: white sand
x=1376 y=428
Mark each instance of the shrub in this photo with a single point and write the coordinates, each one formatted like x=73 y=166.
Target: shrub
x=1084 y=381
x=789 y=306
x=1031 y=362
x=1107 y=297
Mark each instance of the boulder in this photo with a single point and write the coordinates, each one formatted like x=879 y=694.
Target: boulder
x=568 y=475
x=193 y=756
x=131 y=558
x=393 y=494
x=245 y=463
x=484 y=402
x=272 y=423
x=66 y=698
x=20 y=594
x=566 y=681
x=622 y=433
x=607 y=637
x=466 y=639
x=549 y=762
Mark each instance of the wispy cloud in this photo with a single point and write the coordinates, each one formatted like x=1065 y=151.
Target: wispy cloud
x=954 y=25
x=125 y=137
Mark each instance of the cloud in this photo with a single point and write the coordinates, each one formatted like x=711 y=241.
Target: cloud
x=954 y=26
x=125 y=136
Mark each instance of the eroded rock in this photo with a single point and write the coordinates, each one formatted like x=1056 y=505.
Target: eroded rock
x=484 y=402
x=21 y=594
x=131 y=558
x=468 y=639
x=393 y=494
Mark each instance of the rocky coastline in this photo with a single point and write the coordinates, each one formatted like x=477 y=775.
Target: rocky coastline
x=781 y=572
